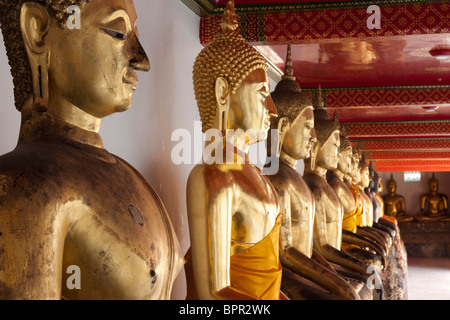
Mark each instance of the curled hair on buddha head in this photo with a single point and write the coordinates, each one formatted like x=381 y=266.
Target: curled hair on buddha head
x=325 y=127
x=362 y=163
x=345 y=143
x=15 y=46
x=227 y=56
x=288 y=97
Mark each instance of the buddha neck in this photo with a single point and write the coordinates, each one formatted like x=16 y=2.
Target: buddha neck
x=319 y=171
x=287 y=159
x=46 y=128
x=339 y=174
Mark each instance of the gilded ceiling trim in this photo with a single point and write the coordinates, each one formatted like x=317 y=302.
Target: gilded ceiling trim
x=326 y=24
x=208 y=8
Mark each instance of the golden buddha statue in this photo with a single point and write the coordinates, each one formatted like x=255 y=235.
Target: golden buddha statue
x=327 y=239
x=365 y=228
x=295 y=125
x=67 y=202
x=394 y=204
x=433 y=205
x=351 y=241
x=233 y=210
x=388 y=221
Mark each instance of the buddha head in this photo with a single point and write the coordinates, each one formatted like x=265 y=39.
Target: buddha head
x=365 y=172
x=380 y=185
x=295 y=121
x=433 y=184
x=328 y=137
x=356 y=172
x=392 y=185
x=346 y=153
x=89 y=70
x=231 y=84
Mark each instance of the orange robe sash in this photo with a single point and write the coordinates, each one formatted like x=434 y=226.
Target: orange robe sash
x=256 y=271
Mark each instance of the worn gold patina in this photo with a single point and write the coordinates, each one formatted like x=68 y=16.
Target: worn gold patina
x=67 y=201
x=433 y=205
x=299 y=259
x=233 y=210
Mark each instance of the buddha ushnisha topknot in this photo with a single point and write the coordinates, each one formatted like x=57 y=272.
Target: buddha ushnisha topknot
x=228 y=56
x=322 y=122
x=15 y=47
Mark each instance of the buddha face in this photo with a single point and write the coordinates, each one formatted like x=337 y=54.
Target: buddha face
x=433 y=185
x=328 y=155
x=392 y=186
x=298 y=139
x=365 y=177
x=94 y=67
x=380 y=188
x=251 y=107
x=345 y=161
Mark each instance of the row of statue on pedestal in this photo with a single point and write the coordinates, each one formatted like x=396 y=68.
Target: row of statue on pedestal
x=65 y=201
x=433 y=205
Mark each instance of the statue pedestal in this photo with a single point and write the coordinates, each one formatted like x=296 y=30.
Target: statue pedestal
x=395 y=275
x=426 y=239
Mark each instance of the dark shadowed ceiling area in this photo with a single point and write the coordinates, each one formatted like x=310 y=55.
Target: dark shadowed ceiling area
x=389 y=91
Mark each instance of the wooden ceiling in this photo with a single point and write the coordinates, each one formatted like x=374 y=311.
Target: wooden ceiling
x=387 y=89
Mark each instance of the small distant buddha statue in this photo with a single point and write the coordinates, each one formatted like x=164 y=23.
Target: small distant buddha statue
x=433 y=205
x=295 y=124
x=233 y=210
x=67 y=201
x=329 y=213
x=394 y=204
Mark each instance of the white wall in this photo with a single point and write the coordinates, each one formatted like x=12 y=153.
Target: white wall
x=163 y=102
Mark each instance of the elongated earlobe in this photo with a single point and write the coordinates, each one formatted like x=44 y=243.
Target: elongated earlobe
x=283 y=127
x=222 y=99
x=34 y=24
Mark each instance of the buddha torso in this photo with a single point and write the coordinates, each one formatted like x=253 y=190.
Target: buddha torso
x=328 y=208
x=392 y=203
x=290 y=184
x=68 y=203
x=435 y=204
x=250 y=197
x=347 y=200
x=367 y=218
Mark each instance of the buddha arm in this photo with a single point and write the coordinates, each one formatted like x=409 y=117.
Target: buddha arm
x=362 y=242
x=32 y=253
x=423 y=200
x=308 y=268
x=209 y=214
x=303 y=265
x=327 y=251
x=401 y=206
x=444 y=203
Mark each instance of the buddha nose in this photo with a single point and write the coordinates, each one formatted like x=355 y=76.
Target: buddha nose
x=270 y=106
x=139 y=60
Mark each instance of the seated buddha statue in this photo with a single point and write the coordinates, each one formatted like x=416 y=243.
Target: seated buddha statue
x=66 y=201
x=365 y=227
x=389 y=222
x=233 y=210
x=433 y=205
x=394 y=204
x=351 y=241
x=295 y=125
x=327 y=238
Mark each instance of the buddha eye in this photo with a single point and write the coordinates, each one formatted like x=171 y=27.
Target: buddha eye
x=263 y=95
x=115 y=34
